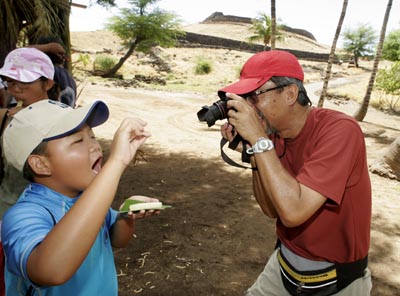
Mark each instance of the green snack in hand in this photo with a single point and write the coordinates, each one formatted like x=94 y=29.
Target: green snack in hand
x=137 y=205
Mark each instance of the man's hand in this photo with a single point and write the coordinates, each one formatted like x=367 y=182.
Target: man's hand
x=246 y=120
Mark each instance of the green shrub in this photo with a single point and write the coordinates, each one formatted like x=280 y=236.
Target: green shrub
x=84 y=59
x=388 y=81
x=203 y=66
x=104 y=63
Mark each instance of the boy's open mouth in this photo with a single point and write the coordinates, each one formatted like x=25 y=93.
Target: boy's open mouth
x=97 y=165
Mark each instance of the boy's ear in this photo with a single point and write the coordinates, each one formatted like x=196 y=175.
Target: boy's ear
x=292 y=92
x=39 y=165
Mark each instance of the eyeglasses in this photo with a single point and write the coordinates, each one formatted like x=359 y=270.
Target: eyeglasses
x=253 y=96
x=20 y=84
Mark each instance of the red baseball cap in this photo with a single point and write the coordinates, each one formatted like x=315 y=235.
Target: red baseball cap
x=259 y=68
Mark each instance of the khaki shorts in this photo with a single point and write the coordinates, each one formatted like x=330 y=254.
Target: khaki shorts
x=269 y=282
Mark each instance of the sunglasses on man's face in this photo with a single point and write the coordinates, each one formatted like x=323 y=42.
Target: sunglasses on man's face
x=253 y=96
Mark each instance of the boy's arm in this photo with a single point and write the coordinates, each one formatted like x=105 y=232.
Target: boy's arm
x=72 y=238
x=124 y=227
x=122 y=231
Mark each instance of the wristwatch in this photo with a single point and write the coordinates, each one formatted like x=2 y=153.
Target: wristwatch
x=261 y=146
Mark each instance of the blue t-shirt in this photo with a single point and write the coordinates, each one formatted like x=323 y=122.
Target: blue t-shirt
x=27 y=223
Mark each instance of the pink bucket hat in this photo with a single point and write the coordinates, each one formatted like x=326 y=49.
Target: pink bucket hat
x=260 y=67
x=27 y=64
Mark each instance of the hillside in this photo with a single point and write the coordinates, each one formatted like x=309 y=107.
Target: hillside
x=235 y=31
x=225 y=63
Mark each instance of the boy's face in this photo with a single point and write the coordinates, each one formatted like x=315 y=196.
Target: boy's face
x=74 y=161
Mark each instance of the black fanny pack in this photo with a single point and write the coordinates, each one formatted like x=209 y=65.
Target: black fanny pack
x=321 y=282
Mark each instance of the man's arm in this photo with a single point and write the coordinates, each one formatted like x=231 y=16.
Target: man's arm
x=52 y=47
x=261 y=194
x=276 y=189
x=293 y=202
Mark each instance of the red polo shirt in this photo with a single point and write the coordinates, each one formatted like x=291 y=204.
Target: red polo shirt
x=329 y=156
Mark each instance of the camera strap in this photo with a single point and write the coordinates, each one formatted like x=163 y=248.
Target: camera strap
x=232 y=145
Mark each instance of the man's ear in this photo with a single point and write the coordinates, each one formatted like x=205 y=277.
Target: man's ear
x=292 y=92
x=39 y=165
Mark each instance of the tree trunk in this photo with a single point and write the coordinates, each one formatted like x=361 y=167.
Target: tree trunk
x=63 y=29
x=273 y=24
x=355 y=57
x=332 y=55
x=362 y=111
x=122 y=60
x=10 y=25
x=389 y=164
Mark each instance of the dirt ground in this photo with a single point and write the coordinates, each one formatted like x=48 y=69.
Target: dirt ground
x=215 y=239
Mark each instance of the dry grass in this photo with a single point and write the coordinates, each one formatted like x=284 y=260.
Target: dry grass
x=225 y=63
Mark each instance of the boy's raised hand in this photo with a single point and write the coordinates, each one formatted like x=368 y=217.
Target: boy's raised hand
x=127 y=139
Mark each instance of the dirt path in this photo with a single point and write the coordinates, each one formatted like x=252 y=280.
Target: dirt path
x=215 y=240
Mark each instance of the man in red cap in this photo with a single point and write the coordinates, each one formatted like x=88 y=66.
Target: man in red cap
x=310 y=173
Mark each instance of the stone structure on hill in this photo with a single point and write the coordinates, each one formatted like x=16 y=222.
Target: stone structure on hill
x=200 y=40
x=219 y=17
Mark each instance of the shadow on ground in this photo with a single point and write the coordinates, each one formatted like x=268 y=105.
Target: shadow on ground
x=213 y=241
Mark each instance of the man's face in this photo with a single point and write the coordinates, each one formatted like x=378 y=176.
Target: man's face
x=269 y=102
x=75 y=160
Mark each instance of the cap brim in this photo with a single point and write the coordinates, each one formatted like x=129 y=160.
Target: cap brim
x=92 y=115
x=27 y=77
x=243 y=86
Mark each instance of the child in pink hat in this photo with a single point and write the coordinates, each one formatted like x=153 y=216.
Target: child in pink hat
x=28 y=74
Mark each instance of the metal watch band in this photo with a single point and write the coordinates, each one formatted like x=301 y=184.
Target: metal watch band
x=262 y=145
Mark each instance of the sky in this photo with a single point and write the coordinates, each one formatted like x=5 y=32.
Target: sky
x=319 y=17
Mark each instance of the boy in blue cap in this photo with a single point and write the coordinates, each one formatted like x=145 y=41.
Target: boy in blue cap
x=58 y=237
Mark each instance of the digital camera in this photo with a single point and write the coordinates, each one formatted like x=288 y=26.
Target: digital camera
x=218 y=110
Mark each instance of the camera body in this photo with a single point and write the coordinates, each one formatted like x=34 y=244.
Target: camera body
x=218 y=110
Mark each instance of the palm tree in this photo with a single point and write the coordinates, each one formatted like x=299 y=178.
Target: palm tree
x=362 y=111
x=141 y=30
x=262 y=27
x=273 y=24
x=35 y=19
x=332 y=55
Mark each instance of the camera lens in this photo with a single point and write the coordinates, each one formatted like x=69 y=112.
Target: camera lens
x=216 y=111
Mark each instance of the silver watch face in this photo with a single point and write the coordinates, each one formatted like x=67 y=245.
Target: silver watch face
x=263 y=144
